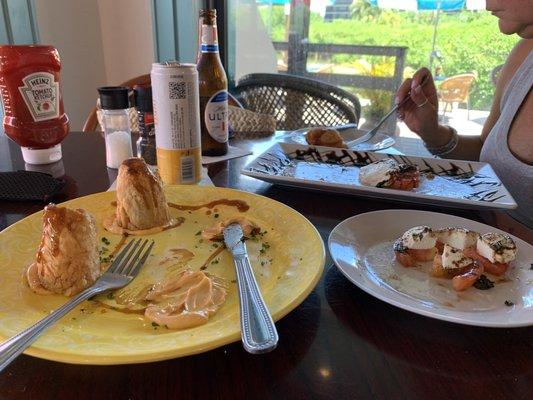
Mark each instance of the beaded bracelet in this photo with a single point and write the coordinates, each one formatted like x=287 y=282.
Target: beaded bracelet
x=446 y=148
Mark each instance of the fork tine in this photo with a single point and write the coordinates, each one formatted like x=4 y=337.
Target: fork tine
x=119 y=257
x=129 y=267
x=141 y=262
x=127 y=258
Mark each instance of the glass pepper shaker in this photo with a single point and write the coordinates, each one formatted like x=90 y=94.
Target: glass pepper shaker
x=145 y=112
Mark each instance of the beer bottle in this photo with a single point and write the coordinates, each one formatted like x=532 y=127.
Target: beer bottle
x=213 y=88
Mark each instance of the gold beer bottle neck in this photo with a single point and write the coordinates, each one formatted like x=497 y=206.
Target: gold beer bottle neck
x=208 y=51
x=208 y=17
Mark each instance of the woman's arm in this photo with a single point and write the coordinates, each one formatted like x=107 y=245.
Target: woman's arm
x=421 y=113
x=421 y=116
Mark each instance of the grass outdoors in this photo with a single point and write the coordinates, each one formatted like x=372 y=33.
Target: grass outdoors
x=468 y=41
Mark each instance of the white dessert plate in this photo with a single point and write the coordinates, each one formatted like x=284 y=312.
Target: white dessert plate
x=361 y=247
x=454 y=183
x=379 y=142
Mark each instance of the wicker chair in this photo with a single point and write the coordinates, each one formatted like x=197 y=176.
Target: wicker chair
x=456 y=89
x=297 y=102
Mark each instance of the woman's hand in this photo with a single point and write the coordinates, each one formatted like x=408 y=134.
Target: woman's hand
x=421 y=113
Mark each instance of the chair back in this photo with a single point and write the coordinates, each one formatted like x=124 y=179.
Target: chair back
x=456 y=88
x=92 y=124
x=297 y=102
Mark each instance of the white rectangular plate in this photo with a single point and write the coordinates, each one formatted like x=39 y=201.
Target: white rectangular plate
x=454 y=183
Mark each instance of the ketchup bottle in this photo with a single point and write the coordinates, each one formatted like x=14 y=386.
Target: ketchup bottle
x=34 y=116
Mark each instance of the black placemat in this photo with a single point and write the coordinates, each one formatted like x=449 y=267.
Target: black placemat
x=28 y=186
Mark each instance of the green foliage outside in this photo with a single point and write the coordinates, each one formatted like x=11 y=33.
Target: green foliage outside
x=468 y=41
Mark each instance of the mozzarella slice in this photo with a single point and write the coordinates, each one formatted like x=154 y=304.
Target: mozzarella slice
x=419 y=238
x=378 y=173
x=460 y=238
x=454 y=258
x=496 y=247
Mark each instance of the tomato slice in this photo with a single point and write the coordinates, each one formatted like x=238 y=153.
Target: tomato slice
x=436 y=269
x=404 y=258
x=423 y=255
x=497 y=269
x=468 y=278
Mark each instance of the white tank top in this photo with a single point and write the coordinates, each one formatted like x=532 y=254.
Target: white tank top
x=516 y=175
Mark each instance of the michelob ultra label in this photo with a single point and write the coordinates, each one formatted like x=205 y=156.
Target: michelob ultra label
x=216 y=116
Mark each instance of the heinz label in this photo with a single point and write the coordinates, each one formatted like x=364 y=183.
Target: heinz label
x=216 y=116
x=41 y=95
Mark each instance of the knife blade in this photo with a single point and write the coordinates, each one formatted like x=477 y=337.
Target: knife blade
x=258 y=332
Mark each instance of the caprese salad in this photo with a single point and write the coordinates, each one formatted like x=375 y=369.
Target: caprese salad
x=459 y=254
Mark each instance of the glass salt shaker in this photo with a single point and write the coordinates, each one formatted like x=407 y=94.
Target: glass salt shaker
x=116 y=124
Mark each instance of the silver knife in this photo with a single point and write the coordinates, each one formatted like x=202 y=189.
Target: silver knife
x=258 y=332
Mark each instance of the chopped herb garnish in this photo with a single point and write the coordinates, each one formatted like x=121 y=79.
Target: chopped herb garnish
x=233 y=281
x=262 y=263
x=264 y=248
x=106 y=241
x=216 y=215
x=483 y=283
x=154 y=324
x=215 y=245
x=198 y=233
x=508 y=303
x=110 y=295
x=203 y=267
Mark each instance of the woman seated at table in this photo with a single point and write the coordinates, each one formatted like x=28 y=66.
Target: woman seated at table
x=506 y=141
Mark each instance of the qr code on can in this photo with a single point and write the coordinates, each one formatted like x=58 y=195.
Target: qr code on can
x=177 y=90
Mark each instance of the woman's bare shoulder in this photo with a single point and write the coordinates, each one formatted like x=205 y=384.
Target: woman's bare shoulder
x=513 y=62
x=515 y=59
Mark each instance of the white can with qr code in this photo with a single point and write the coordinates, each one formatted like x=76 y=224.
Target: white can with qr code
x=177 y=122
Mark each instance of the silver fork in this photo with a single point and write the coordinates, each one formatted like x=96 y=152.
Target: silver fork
x=122 y=271
x=370 y=134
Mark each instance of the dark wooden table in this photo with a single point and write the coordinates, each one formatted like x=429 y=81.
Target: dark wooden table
x=340 y=343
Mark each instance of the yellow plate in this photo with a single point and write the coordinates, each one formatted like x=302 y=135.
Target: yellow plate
x=287 y=271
